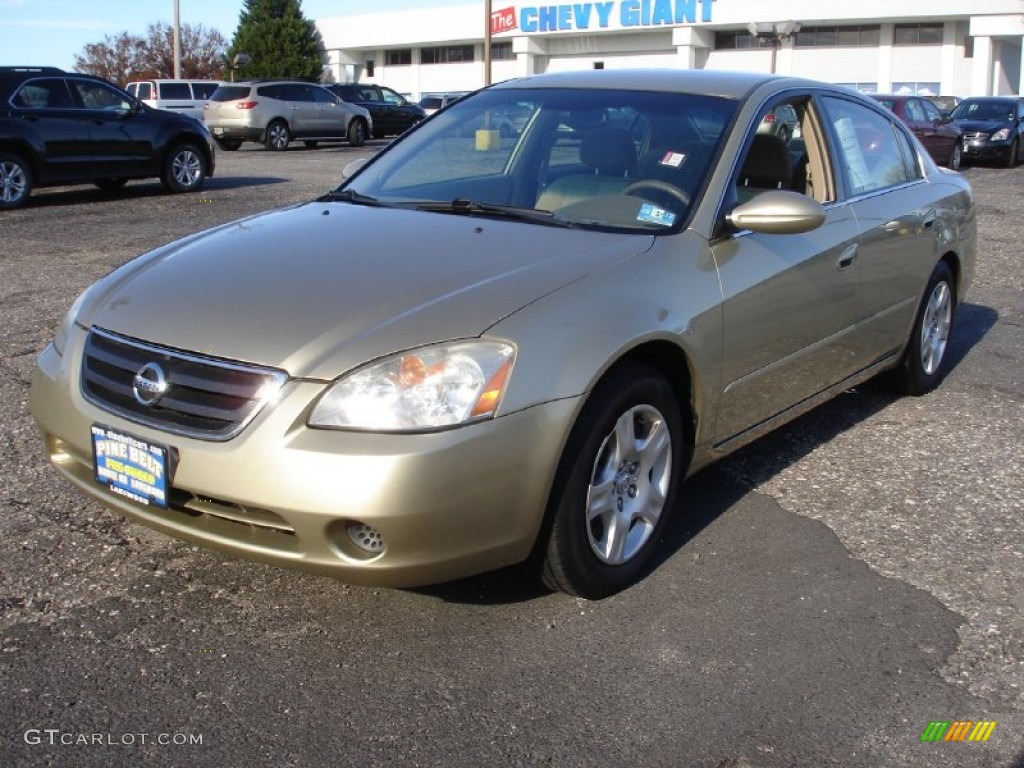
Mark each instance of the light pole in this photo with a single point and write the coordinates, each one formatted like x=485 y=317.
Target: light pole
x=775 y=33
x=487 y=42
x=177 y=41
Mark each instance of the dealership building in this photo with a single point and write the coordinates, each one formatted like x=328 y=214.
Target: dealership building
x=904 y=46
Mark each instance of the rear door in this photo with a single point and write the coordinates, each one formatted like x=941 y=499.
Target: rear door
x=898 y=224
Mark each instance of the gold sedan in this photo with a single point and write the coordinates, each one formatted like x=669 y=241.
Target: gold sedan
x=488 y=347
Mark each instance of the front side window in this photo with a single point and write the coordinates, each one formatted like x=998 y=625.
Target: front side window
x=866 y=145
x=100 y=96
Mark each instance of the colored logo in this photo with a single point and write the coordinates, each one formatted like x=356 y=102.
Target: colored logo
x=958 y=730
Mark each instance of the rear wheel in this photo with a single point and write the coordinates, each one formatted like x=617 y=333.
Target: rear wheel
x=15 y=180
x=922 y=366
x=184 y=168
x=616 y=484
x=357 y=133
x=278 y=137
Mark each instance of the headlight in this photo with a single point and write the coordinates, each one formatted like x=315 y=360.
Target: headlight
x=425 y=388
x=61 y=339
x=1001 y=135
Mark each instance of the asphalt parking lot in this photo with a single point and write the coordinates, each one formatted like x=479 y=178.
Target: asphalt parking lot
x=827 y=593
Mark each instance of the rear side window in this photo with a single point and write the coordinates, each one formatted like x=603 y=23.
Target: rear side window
x=868 y=148
x=273 y=92
x=175 y=91
x=230 y=93
x=48 y=93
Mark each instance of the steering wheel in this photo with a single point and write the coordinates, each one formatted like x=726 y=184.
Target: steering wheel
x=660 y=186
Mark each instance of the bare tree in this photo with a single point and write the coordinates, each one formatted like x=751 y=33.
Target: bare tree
x=124 y=57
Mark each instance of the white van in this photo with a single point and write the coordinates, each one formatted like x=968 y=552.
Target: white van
x=185 y=96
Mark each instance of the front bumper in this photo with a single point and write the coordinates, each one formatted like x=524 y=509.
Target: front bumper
x=986 y=150
x=447 y=504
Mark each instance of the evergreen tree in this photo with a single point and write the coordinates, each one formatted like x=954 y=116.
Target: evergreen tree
x=279 y=40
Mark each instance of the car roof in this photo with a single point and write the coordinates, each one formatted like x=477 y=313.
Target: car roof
x=733 y=85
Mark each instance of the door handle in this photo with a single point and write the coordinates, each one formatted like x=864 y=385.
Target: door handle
x=847 y=257
x=929 y=220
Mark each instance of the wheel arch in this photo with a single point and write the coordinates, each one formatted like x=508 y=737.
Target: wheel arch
x=25 y=151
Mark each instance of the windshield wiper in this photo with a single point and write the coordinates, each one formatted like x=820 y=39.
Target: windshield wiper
x=351 y=196
x=462 y=205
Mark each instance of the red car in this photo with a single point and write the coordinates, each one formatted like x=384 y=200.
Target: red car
x=939 y=135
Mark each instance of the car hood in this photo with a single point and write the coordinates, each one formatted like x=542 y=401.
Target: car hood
x=320 y=288
x=980 y=126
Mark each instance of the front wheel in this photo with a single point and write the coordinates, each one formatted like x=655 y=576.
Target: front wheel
x=616 y=484
x=184 y=168
x=15 y=180
x=921 y=368
x=357 y=133
x=954 y=158
x=229 y=145
x=278 y=137
x=1011 y=156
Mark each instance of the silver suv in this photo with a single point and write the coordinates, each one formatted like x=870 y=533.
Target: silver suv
x=275 y=112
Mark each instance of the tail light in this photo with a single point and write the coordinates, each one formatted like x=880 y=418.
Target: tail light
x=769 y=118
x=245 y=105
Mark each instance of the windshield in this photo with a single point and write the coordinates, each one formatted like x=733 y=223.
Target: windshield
x=591 y=158
x=983 y=110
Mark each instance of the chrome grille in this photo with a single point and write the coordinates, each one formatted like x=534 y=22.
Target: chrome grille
x=975 y=136
x=206 y=398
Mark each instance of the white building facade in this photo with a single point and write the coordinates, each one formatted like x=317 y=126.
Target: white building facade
x=902 y=46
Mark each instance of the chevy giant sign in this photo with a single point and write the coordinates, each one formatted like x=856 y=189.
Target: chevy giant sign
x=610 y=14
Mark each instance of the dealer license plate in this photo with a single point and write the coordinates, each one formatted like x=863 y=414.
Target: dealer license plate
x=130 y=466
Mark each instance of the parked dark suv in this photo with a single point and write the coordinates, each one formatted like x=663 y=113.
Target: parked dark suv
x=392 y=113
x=993 y=128
x=65 y=128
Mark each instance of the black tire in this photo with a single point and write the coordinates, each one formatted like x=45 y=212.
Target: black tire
x=1011 y=156
x=635 y=405
x=357 y=132
x=311 y=144
x=784 y=135
x=955 y=158
x=923 y=365
x=15 y=181
x=185 y=168
x=229 y=145
x=110 y=185
x=278 y=137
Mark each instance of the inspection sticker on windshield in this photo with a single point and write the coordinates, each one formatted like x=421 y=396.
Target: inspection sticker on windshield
x=652 y=214
x=673 y=159
x=129 y=466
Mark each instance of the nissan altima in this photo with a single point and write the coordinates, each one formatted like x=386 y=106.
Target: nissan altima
x=630 y=286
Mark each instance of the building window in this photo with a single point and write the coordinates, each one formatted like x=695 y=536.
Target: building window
x=731 y=41
x=369 y=67
x=861 y=87
x=399 y=57
x=502 y=52
x=916 y=89
x=598 y=65
x=858 y=35
x=446 y=54
x=918 y=34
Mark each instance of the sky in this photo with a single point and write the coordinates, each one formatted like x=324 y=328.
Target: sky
x=51 y=32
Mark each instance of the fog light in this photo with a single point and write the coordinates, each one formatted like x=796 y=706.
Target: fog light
x=366 y=537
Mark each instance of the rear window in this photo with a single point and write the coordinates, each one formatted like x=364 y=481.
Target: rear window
x=175 y=91
x=230 y=93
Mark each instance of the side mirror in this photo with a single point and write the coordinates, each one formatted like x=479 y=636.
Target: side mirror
x=778 y=212
x=351 y=168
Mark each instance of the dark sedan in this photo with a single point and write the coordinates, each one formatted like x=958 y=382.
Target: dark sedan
x=937 y=133
x=992 y=127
